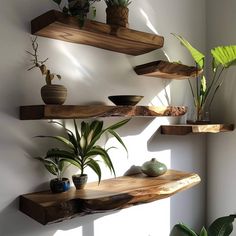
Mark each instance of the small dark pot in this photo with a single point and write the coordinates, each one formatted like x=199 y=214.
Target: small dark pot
x=59 y=186
x=80 y=181
x=117 y=15
x=54 y=94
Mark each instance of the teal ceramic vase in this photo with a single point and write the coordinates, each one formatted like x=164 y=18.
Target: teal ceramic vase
x=153 y=168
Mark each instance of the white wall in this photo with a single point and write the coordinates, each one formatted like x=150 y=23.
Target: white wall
x=91 y=74
x=221 y=148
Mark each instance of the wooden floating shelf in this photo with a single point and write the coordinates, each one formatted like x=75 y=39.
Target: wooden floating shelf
x=54 y=24
x=111 y=194
x=166 y=70
x=186 y=129
x=36 y=112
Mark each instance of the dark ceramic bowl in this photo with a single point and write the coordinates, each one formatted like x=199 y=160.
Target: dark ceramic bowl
x=125 y=100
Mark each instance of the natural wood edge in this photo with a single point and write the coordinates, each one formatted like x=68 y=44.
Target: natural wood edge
x=186 y=129
x=167 y=70
x=56 y=25
x=110 y=195
x=36 y=112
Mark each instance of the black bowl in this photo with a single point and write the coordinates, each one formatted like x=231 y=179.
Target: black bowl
x=125 y=100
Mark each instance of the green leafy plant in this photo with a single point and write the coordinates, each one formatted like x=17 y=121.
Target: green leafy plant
x=54 y=163
x=77 y=8
x=121 y=3
x=82 y=148
x=222 y=226
x=204 y=90
x=37 y=63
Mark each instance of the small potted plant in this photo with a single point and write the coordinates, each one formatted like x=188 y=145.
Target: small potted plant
x=222 y=226
x=50 y=93
x=83 y=150
x=56 y=165
x=204 y=90
x=117 y=12
x=77 y=8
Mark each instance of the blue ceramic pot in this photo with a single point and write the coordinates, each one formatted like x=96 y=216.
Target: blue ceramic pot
x=59 y=186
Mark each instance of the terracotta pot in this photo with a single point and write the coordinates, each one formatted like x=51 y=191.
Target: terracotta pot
x=59 y=186
x=117 y=16
x=54 y=94
x=80 y=181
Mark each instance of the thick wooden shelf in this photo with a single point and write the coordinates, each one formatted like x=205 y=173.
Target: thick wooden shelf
x=166 y=70
x=54 y=24
x=36 y=112
x=111 y=194
x=186 y=129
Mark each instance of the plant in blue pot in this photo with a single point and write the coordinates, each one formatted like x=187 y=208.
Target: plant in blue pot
x=56 y=165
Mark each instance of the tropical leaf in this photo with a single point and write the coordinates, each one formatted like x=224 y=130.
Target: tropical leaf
x=182 y=230
x=198 y=57
x=59 y=138
x=224 y=55
x=96 y=168
x=117 y=125
x=222 y=226
x=116 y=135
x=60 y=153
x=203 y=232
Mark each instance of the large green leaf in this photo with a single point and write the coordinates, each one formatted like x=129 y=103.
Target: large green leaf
x=116 y=135
x=222 y=226
x=117 y=125
x=198 y=57
x=182 y=230
x=95 y=167
x=224 y=55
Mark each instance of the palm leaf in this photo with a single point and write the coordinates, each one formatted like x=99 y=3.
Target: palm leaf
x=224 y=55
x=198 y=57
x=222 y=226
x=96 y=168
x=59 y=138
x=116 y=135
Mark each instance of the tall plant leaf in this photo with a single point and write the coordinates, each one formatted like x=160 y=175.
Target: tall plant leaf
x=203 y=232
x=96 y=168
x=224 y=55
x=198 y=57
x=118 y=124
x=222 y=226
x=117 y=136
x=182 y=230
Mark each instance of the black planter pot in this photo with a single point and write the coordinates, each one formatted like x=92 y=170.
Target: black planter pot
x=59 y=186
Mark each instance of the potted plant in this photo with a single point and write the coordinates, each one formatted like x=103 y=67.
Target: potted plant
x=82 y=149
x=56 y=165
x=117 y=12
x=77 y=8
x=222 y=226
x=204 y=90
x=50 y=93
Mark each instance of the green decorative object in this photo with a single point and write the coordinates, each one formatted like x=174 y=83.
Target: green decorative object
x=153 y=168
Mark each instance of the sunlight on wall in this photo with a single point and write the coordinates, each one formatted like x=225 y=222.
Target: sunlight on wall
x=79 y=71
x=163 y=98
x=71 y=232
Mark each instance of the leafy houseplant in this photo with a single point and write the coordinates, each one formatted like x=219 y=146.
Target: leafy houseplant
x=82 y=150
x=50 y=93
x=222 y=226
x=56 y=165
x=117 y=12
x=204 y=90
x=77 y=8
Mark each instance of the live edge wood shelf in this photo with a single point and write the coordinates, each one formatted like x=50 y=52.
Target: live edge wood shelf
x=166 y=70
x=54 y=24
x=111 y=194
x=36 y=112
x=186 y=129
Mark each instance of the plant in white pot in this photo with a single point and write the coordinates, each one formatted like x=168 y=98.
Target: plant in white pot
x=56 y=165
x=204 y=89
x=50 y=93
x=117 y=12
x=82 y=149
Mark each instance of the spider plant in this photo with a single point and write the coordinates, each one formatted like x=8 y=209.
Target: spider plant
x=204 y=90
x=82 y=149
